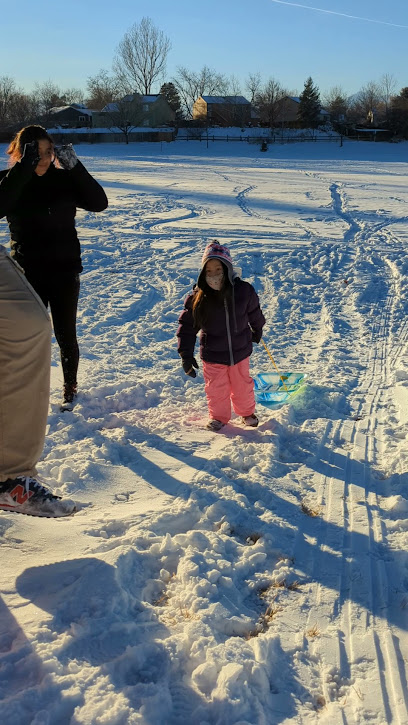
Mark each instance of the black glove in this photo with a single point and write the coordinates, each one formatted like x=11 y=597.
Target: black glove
x=189 y=363
x=256 y=336
x=31 y=155
x=66 y=156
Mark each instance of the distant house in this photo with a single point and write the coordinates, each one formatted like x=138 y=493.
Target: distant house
x=222 y=110
x=287 y=114
x=255 y=117
x=73 y=116
x=151 y=111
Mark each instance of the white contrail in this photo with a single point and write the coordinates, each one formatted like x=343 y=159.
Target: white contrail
x=343 y=15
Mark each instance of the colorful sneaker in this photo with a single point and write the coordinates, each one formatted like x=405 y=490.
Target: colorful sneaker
x=214 y=425
x=24 y=495
x=69 y=397
x=250 y=420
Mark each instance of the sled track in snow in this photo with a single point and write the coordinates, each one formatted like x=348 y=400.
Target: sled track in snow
x=348 y=576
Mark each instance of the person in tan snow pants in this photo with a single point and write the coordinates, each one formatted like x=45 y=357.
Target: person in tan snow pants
x=25 y=361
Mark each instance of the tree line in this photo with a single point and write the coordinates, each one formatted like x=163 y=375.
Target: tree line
x=140 y=62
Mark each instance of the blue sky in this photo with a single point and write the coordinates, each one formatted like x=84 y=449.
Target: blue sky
x=338 y=42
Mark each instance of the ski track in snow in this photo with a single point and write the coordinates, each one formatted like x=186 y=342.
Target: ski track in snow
x=258 y=576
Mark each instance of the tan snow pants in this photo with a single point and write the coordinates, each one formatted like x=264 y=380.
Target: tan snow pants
x=25 y=360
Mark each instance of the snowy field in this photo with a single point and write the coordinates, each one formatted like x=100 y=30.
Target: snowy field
x=249 y=577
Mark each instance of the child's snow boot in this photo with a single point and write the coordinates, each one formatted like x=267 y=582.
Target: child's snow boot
x=214 y=425
x=250 y=420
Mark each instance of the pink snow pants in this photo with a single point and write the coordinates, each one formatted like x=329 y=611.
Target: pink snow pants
x=225 y=384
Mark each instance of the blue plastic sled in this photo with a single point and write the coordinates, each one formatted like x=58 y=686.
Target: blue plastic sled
x=275 y=389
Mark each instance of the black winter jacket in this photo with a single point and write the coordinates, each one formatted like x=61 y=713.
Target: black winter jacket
x=41 y=210
x=226 y=337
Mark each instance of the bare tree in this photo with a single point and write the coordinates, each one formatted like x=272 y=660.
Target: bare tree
x=102 y=89
x=239 y=110
x=48 y=94
x=269 y=101
x=8 y=90
x=387 y=85
x=368 y=101
x=253 y=85
x=73 y=95
x=126 y=114
x=141 y=56
x=16 y=107
x=191 y=85
x=24 y=109
x=233 y=88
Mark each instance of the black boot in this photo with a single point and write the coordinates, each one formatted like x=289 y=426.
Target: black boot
x=69 y=397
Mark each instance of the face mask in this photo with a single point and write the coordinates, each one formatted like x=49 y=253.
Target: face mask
x=215 y=280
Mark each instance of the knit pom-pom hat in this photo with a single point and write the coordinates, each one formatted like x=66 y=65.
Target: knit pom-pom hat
x=214 y=250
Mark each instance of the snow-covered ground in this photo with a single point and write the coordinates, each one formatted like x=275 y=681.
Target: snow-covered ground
x=251 y=576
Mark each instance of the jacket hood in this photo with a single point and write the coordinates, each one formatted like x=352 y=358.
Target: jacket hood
x=214 y=250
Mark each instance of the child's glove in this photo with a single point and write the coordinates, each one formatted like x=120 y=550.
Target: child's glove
x=31 y=155
x=189 y=363
x=256 y=336
x=66 y=156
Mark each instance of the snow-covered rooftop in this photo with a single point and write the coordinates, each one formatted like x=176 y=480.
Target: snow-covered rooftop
x=151 y=98
x=74 y=107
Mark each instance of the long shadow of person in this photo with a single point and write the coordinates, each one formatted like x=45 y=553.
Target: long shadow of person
x=97 y=621
x=26 y=689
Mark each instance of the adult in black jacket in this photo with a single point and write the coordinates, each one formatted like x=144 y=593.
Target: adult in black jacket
x=39 y=195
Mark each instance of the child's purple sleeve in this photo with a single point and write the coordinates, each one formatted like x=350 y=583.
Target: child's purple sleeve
x=187 y=331
x=255 y=314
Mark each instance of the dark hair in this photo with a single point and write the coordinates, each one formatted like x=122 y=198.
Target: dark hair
x=26 y=135
x=206 y=299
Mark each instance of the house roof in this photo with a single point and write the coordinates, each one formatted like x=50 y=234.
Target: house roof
x=80 y=109
x=213 y=99
x=225 y=99
x=150 y=98
x=296 y=99
x=237 y=99
x=110 y=107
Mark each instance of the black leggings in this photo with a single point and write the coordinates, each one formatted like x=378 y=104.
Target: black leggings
x=61 y=294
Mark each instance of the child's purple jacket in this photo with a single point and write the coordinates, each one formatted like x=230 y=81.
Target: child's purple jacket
x=226 y=338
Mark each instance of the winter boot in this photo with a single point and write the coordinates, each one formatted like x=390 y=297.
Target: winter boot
x=69 y=397
x=25 y=495
x=214 y=425
x=250 y=420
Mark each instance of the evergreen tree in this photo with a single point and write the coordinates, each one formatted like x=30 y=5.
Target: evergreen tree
x=170 y=93
x=398 y=117
x=309 y=106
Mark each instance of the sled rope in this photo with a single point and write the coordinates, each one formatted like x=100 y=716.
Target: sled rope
x=274 y=363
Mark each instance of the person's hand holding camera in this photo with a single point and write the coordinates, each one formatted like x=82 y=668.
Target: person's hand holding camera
x=31 y=154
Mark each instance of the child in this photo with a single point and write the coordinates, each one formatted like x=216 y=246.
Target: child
x=226 y=310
